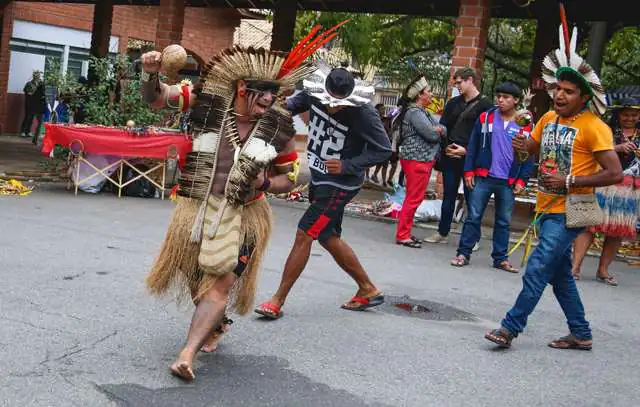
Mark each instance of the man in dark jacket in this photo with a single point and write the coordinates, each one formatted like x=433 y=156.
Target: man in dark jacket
x=459 y=116
x=491 y=168
x=346 y=136
x=34 y=105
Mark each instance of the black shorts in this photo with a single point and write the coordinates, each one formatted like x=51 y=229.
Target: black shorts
x=323 y=218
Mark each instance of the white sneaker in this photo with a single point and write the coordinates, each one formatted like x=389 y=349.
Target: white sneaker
x=476 y=247
x=437 y=238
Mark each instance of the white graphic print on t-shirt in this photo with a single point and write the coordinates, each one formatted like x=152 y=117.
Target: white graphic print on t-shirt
x=326 y=139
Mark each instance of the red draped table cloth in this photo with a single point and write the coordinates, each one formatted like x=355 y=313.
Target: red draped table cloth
x=98 y=140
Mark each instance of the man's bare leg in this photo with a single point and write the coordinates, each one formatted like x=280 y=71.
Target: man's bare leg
x=296 y=262
x=207 y=315
x=211 y=343
x=344 y=255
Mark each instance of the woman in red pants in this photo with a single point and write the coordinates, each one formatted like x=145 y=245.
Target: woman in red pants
x=419 y=144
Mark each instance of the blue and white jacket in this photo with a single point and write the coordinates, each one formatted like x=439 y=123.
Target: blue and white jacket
x=479 y=157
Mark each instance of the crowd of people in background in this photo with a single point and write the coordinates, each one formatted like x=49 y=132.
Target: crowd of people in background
x=471 y=146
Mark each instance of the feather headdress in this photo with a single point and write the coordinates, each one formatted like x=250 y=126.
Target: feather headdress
x=566 y=59
x=259 y=64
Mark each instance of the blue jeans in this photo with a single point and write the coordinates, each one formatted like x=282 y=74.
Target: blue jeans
x=550 y=263
x=478 y=200
x=452 y=171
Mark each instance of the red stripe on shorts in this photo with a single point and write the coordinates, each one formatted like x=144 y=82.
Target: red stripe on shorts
x=318 y=226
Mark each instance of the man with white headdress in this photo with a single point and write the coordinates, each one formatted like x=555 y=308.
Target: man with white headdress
x=575 y=154
x=346 y=136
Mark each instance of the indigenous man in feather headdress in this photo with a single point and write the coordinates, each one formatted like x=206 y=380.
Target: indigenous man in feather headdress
x=575 y=153
x=243 y=147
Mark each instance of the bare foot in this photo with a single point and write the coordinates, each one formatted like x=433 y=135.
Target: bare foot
x=211 y=344
x=183 y=370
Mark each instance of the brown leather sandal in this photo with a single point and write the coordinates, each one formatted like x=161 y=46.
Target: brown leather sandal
x=506 y=265
x=500 y=337
x=571 y=342
x=460 y=261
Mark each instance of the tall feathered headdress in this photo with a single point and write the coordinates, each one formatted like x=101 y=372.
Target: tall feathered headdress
x=566 y=59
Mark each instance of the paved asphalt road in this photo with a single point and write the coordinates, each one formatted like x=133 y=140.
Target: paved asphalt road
x=78 y=329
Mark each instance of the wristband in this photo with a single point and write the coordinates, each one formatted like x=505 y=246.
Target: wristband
x=567 y=182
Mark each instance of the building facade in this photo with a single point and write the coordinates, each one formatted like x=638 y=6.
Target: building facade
x=31 y=32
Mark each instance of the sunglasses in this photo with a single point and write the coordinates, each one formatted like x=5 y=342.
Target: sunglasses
x=262 y=87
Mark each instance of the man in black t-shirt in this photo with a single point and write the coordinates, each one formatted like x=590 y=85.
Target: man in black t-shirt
x=346 y=136
x=459 y=116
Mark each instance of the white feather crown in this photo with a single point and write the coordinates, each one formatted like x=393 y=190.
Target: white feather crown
x=559 y=60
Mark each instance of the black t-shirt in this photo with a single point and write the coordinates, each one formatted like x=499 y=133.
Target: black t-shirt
x=459 y=133
x=354 y=135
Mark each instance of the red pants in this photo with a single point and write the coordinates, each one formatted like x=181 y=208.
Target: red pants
x=417 y=174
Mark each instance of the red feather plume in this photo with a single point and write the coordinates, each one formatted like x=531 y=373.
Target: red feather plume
x=307 y=46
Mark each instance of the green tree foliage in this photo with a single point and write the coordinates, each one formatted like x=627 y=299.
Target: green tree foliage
x=62 y=83
x=114 y=97
x=398 y=46
x=622 y=59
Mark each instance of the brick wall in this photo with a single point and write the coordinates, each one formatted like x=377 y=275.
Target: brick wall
x=5 y=36
x=206 y=30
x=471 y=35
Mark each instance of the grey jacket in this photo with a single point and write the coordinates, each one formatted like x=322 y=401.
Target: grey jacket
x=419 y=140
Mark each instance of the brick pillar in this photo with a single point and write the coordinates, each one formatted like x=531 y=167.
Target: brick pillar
x=101 y=31
x=170 y=23
x=284 y=23
x=471 y=35
x=169 y=26
x=6 y=27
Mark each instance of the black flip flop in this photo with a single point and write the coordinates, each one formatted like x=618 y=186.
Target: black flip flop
x=410 y=243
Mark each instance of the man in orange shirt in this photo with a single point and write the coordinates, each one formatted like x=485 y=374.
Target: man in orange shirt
x=575 y=150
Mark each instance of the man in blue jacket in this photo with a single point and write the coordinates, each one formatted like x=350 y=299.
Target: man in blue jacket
x=491 y=168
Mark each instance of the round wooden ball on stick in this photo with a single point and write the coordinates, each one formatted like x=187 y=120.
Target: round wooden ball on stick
x=174 y=58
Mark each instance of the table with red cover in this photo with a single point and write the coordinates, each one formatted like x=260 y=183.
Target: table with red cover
x=86 y=141
x=99 y=140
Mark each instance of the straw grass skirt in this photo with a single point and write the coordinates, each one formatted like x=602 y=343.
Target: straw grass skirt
x=177 y=270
